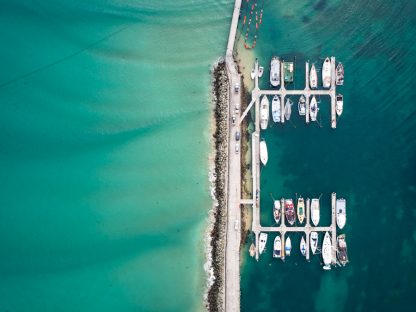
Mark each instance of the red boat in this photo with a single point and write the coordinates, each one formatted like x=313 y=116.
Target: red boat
x=290 y=211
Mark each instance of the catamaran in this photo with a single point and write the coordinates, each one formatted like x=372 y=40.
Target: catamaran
x=326 y=73
x=288 y=108
x=264 y=112
x=262 y=242
x=276 y=108
x=327 y=251
x=277 y=211
x=302 y=105
x=315 y=215
x=339 y=78
x=314 y=241
x=264 y=155
x=290 y=211
x=303 y=246
x=339 y=104
x=341 y=212
x=275 y=71
x=313 y=109
x=313 y=77
x=342 y=255
x=301 y=209
x=288 y=246
x=277 y=247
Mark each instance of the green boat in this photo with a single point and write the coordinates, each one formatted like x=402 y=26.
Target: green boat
x=288 y=70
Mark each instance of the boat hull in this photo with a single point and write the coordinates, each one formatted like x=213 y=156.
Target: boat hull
x=326 y=73
x=327 y=251
x=315 y=213
x=264 y=112
x=264 y=155
x=277 y=211
x=301 y=210
x=276 y=109
x=313 y=78
x=303 y=246
x=341 y=213
x=277 y=247
x=262 y=242
x=288 y=246
x=275 y=72
x=313 y=109
x=314 y=238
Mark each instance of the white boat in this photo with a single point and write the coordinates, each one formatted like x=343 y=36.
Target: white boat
x=313 y=77
x=264 y=155
x=302 y=105
x=288 y=246
x=313 y=109
x=315 y=215
x=288 y=108
x=275 y=71
x=276 y=109
x=261 y=69
x=277 y=211
x=339 y=78
x=314 y=241
x=264 y=112
x=326 y=73
x=253 y=74
x=301 y=209
x=303 y=246
x=277 y=247
x=339 y=104
x=262 y=242
x=252 y=250
x=341 y=212
x=327 y=251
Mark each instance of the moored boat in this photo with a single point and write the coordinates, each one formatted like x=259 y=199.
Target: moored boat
x=264 y=112
x=288 y=246
x=275 y=71
x=302 y=105
x=301 y=209
x=303 y=246
x=339 y=78
x=288 y=108
x=314 y=238
x=252 y=250
x=253 y=74
x=290 y=211
x=262 y=242
x=326 y=73
x=264 y=155
x=339 y=105
x=261 y=69
x=315 y=214
x=277 y=247
x=313 y=109
x=277 y=211
x=342 y=254
x=313 y=77
x=327 y=251
x=340 y=206
x=276 y=115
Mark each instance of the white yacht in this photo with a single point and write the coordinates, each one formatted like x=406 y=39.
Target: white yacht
x=327 y=251
x=288 y=108
x=277 y=247
x=303 y=246
x=302 y=105
x=262 y=242
x=253 y=74
x=315 y=215
x=264 y=155
x=326 y=73
x=288 y=246
x=314 y=241
x=313 y=109
x=339 y=104
x=275 y=71
x=341 y=212
x=277 y=211
x=276 y=108
x=313 y=77
x=261 y=69
x=264 y=112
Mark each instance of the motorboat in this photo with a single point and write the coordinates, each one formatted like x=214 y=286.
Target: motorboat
x=302 y=105
x=261 y=69
x=339 y=105
x=340 y=207
x=288 y=108
x=277 y=247
x=277 y=211
x=326 y=73
x=342 y=254
x=301 y=209
x=339 y=77
x=313 y=77
x=276 y=115
x=327 y=251
x=262 y=242
x=264 y=112
x=314 y=239
x=252 y=250
x=313 y=109
x=290 y=211
x=264 y=155
x=253 y=74
x=303 y=246
x=275 y=71
x=315 y=215
x=288 y=246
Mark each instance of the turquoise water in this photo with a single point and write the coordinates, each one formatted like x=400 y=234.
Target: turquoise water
x=369 y=159
x=104 y=153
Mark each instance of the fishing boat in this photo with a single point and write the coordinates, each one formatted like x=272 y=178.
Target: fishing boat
x=277 y=247
x=288 y=246
x=315 y=211
x=261 y=69
x=264 y=112
x=313 y=109
x=288 y=108
x=276 y=108
x=340 y=206
x=342 y=255
x=339 y=78
x=290 y=211
x=301 y=209
x=277 y=211
x=326 y=73
x=252 y=250
x=339 y=104
x=313 y=77
x=303 y=246
x=327 y=251
x=253 y=74
x=275 y=71
x=314 y=241
x=264 y=155
x=262 y=242
x=302 y=105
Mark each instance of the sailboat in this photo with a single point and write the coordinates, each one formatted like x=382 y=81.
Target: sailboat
x=303 y=246
x=314 y=238
x=327 y=251
x=313 y=77
x=277 y=211
x=315 y=215
x=340 y=206
x=301 y=209
x=302 y=105
x=277 y=247
x=262 y=242
x=264 y=155
x=288 y=246
x=288 y=108
x=326 y=73
x=276 y=108
x=264 y=112
x=313 y=109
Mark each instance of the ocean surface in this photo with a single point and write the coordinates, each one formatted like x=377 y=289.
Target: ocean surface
x=104 y=144
x=370 y=159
